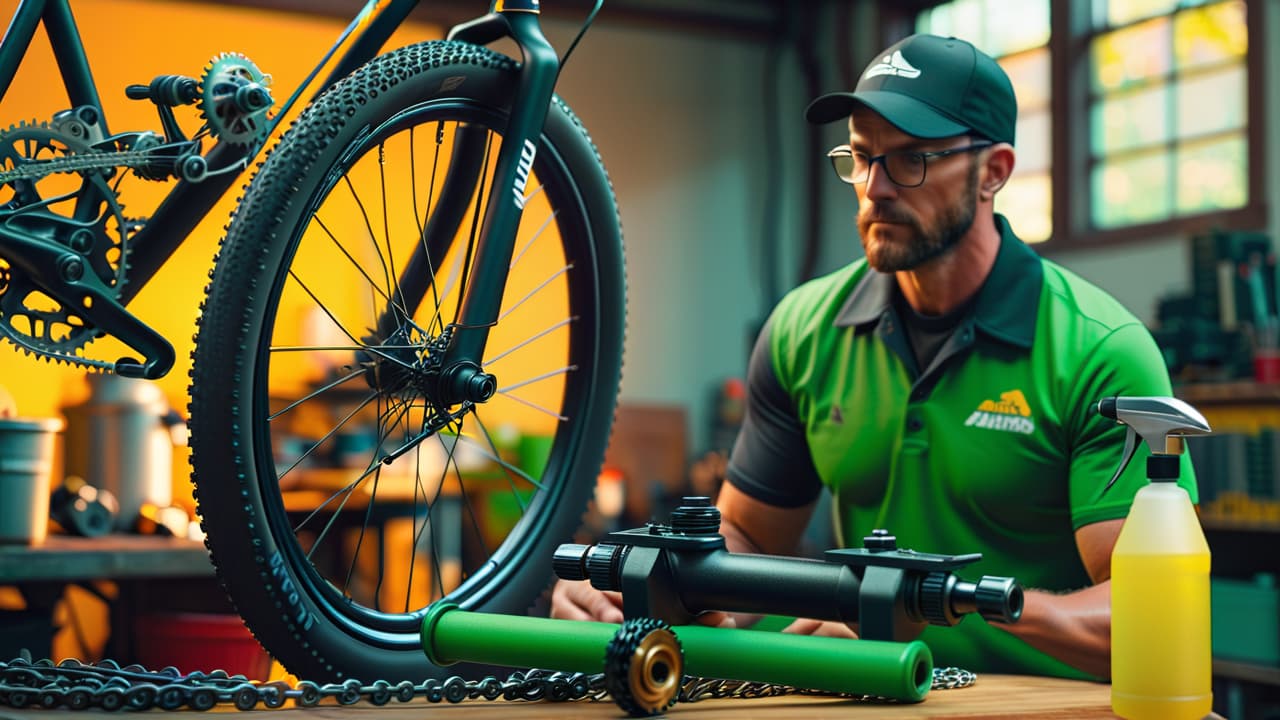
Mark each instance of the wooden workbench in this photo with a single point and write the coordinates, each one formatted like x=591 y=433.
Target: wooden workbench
x=993 y=696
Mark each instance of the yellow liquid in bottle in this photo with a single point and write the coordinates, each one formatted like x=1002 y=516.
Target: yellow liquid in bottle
x=1161 y=651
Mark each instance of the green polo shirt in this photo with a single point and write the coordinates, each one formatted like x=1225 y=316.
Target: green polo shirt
x=994 y=448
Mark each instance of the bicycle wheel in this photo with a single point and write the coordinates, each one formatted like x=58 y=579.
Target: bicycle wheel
x=340 y=499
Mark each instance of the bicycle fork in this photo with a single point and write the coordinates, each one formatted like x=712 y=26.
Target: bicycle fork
x=461 y=378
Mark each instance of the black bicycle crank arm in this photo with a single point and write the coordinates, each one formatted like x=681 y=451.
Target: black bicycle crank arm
x=64 y=275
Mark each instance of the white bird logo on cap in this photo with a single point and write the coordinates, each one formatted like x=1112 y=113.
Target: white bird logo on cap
x=893 y=65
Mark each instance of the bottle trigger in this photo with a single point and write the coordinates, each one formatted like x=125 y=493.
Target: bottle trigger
x=1130 y=447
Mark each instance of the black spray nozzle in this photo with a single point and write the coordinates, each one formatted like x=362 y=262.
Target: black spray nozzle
x=1107 y=408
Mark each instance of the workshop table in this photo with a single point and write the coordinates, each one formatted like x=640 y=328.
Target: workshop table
x=993 y=696
x=114 y=557
x=136 y=564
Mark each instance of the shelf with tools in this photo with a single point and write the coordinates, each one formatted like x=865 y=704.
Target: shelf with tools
x=1247 y=671
x=1238 y=467
x=1236 y=470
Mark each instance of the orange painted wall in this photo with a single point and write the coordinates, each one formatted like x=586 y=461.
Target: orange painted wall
x=127 y=42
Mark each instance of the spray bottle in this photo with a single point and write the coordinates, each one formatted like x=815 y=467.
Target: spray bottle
x=1161 y=654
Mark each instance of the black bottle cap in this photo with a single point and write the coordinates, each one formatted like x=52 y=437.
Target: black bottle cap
x=1163 y=468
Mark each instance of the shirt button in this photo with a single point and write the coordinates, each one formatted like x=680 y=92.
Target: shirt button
x=915 y=424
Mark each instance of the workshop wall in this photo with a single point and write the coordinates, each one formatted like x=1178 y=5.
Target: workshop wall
x=682 y=120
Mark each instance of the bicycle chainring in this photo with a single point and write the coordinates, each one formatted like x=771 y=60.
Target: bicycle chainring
x=80 y=211
x=225 y=78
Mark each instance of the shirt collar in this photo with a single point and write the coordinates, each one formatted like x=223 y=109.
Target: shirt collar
x=1007 y=302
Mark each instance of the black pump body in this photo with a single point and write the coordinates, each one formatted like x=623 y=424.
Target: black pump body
x=676 y=572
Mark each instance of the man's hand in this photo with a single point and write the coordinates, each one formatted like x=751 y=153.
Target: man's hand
x=577 y=600
x=805 y=626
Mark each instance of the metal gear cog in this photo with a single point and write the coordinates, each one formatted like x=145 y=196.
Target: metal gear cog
x=234 y=99
x=78 y=210
x=644 y=667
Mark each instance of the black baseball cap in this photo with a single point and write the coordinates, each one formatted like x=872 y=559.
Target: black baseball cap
x=930 y=87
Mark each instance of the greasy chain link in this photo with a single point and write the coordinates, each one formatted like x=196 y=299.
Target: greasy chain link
x=108 y=686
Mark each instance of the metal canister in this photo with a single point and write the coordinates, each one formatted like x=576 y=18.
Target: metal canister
x=26 y=463
x=121 y=440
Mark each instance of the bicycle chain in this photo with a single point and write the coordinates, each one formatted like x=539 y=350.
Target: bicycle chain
x=108 y=686
x=78 y=162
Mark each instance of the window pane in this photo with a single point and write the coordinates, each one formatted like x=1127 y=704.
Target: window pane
x=1213 y=175
x=1014 y=26
x=1132 y=190
x=1131 y=55
x=936 y=21
x=1033 y=142
x=1210 y=35
x=1137 y=119
x=1212 y=102
x=1029 y=73
x=1027 y=201
x=1111 y=13
x=966 y=20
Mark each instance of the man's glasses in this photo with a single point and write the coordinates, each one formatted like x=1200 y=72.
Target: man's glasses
x=904 y=167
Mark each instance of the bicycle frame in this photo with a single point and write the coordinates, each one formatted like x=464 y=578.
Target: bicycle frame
x=188 y=202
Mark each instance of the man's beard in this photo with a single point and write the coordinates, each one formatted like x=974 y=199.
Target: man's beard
x=921 y=245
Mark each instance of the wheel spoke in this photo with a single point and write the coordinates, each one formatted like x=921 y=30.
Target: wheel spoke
x=371 y=397
x=491 y=361
x=312 y=395
x=533 y=292
x=373 y=238
x=539 y=378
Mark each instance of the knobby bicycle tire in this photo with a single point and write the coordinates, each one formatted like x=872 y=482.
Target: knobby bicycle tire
x=307 y=583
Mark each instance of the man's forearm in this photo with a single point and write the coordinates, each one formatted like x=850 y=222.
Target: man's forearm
x=1074 y=627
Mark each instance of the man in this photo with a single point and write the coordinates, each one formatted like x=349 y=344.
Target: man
x=943 y=388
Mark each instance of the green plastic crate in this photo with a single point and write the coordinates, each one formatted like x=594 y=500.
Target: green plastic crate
x=1246 y=619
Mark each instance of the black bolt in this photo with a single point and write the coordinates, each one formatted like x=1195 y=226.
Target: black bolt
x=880 y=539
x=71 y=267
x=81 y=240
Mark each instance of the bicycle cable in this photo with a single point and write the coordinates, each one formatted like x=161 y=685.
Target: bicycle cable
x=590 y=18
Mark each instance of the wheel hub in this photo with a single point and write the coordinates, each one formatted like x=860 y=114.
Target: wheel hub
x=405 y=365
